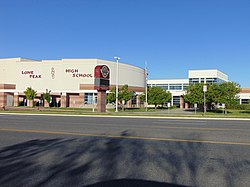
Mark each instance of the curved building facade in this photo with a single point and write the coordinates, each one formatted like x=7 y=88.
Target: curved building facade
x=71 y=81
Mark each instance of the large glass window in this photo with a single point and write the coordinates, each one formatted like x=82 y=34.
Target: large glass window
x=163 y=86
x=219 y=80
x=185 y=86
x=176 y=100
x=134 y=100
x=175 y=87
x=245 y=101
x=150 y=85
x=194 y=80
x=88 y=98
x=210 y=80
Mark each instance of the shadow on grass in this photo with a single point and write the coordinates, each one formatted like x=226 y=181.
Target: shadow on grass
x=105 y=162
x=245 y=112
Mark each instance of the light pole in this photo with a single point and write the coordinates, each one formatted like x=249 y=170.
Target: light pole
x=205 y=90
x=146 y=76
x=116 y=86
x=93 y=100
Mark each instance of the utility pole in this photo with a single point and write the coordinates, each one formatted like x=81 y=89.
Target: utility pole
x=205 y=90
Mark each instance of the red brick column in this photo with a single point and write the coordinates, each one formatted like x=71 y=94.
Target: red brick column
x=63 y=100
x=138 y=101
x=3 y=101
x=101 y=101
x=182 y=102
x=16 y=99
x=81 y=99
x=186 y=106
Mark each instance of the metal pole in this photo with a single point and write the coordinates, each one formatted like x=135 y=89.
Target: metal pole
x=93 y=100
x=117 y=77
x=146 y=95
x=146 y=74
x=204 y=90
x=204 y=103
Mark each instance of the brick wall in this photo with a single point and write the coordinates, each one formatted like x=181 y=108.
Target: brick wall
x=245 y=90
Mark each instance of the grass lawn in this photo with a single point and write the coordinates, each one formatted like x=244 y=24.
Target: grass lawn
x=130 y=112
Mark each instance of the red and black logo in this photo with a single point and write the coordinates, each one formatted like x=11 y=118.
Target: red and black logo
x=104 y=71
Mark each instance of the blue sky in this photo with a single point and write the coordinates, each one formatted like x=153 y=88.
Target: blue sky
x=173 y=36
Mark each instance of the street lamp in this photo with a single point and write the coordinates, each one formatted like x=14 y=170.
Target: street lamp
x=204 y=90
x=116 y=86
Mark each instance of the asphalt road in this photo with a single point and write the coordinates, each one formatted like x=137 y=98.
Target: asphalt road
x=103 y=151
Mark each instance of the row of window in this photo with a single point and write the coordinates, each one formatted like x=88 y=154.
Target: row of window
x=245 y=101
x=191 y=81
x=90 y=98
x=207 y=80
x=171 y=86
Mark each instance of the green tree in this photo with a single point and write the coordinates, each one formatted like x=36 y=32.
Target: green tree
x=111 y=97
x=30 y=95
x=229 y=91
x=195 y=94
x=158 y=96
x=124 y=95
x=214 y=93
x=224 y=93
x=47 y=96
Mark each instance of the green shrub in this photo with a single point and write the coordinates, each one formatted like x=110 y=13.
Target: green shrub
x=241 y=107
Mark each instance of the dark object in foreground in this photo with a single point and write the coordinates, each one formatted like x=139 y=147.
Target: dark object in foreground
x=133 y=183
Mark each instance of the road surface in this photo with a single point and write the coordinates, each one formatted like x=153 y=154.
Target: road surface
x=41 y=150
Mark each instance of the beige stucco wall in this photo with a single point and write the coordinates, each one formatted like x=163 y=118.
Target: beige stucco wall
x=213 y=73
x=39 y=75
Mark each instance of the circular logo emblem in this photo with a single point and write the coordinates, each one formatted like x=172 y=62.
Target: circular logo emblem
x=105 y=71
x=53 y=72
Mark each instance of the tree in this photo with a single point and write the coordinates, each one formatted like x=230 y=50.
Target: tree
x=214 y=93
x=195 y=94
x=229 y=91
x=124 y=95
x=111 y=97
x=30 y=95
x=223 y=93
x=158 y=96
x=47 y=96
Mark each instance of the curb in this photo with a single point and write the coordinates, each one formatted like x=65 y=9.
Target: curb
x=139 y=117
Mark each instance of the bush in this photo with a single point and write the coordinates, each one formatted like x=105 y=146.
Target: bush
x=21 y=103
x=36 y=103
x=241 y=107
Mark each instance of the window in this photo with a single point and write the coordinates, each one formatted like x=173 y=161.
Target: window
x=210 y=80
x=185 y=86
x=133 y=100
x=245 y=101
x=176 y=100
x=175 y=87
x=163 y=86
x=194 y=80
x=214 y=80
x=219 y=80
x=88 y=98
